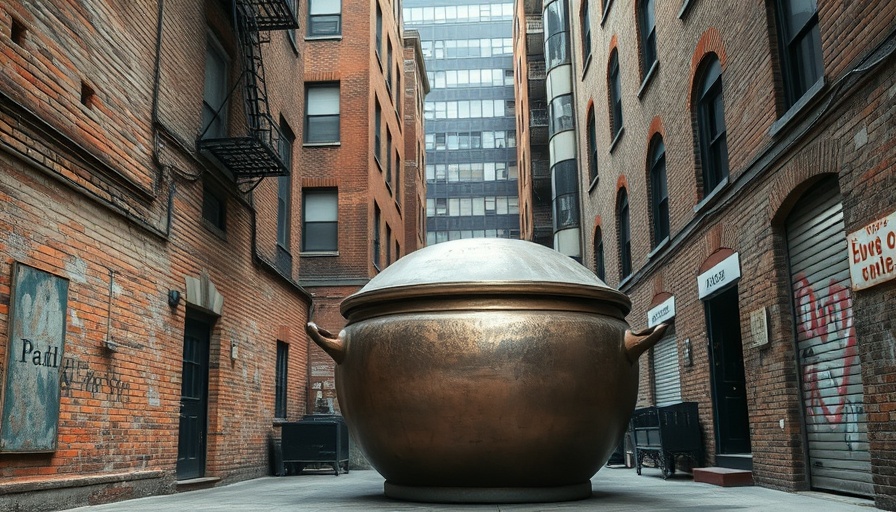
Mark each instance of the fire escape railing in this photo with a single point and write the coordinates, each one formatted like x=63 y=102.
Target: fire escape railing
x=256 y=155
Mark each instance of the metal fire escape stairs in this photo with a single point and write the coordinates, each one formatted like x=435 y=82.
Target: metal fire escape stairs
x=257 y=154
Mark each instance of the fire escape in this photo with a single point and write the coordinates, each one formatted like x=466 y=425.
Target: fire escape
x=257 y=154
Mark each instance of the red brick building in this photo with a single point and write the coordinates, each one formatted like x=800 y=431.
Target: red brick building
x=737 y=179
x=355 y=153
x=416 y=87
x=110 y=186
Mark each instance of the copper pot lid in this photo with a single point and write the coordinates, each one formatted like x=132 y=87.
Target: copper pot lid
x=484 y=266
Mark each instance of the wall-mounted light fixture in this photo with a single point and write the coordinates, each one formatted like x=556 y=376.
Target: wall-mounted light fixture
x=688 y=355
x=173 y=298
x=234 y=349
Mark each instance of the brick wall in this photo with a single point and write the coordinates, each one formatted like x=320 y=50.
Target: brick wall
x=847 y=132
x=86 y=188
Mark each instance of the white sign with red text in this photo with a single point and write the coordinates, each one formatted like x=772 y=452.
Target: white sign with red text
x=872 y=253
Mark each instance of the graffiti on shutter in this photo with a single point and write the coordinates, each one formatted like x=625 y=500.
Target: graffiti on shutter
x=833 y=397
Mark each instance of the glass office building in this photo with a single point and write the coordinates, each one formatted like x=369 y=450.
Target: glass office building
x=471 y=170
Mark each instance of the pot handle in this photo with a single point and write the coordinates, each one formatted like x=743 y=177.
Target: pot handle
x=334 y=346
x=636 y=343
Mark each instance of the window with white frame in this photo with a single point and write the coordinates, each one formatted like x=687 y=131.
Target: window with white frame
x=324 y=18
x=319 y=220
x=322 y=113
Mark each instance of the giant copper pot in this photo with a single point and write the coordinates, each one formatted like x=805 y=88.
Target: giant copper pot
x=486 y=370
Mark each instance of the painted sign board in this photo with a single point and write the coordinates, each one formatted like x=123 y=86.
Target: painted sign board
x=36 y=346
x=719 y=276
x=661 y=312
x=872 y=253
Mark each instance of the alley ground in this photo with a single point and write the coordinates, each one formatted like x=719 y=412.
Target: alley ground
x=615 y=489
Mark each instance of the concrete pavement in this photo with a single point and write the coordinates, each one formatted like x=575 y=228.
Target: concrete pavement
x=615 y=489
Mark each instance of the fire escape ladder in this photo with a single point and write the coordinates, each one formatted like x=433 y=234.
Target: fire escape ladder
x=255 y=91
x=256 y=155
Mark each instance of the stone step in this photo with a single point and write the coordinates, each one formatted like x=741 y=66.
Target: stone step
x=724 y=477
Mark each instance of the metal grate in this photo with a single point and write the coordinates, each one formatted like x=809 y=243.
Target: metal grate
x=253 y=156
x=273 y=14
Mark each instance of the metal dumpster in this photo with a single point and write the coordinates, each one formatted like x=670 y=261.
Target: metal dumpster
x=316 y=439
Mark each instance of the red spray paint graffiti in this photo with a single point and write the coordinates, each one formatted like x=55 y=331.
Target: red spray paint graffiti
x=827 y=340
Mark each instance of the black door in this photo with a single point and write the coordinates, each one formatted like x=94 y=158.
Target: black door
x=193 y=401
x=727 y=368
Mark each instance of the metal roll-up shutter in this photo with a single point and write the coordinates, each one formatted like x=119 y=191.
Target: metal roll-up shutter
x=666 y=378
x=831 y=373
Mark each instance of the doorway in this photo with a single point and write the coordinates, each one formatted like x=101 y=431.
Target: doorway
x=729 y=393
x=193 y=400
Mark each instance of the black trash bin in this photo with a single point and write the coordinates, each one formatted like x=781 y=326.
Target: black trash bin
x=316 y=439
x=661 y=433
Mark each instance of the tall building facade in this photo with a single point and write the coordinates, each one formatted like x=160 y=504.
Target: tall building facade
x=151 y=318
x=533 y=156
x=549 y=188
x=471 y=170
x=736 y=179
x=362 y=139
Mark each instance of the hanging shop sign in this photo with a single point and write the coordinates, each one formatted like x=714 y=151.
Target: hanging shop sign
x=661 y=312
x=719 y=276
x=872 y=253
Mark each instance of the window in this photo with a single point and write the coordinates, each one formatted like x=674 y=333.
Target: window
x=711 y=127
x=566 y=196
x=291 y=32
x=379 y=31
x=214 y=95
x=319 y=220
x=592 y=146
x=659 y=191
x=280 y=380
x=615 y=95
x=396 y=99
x=556 y=46
x=377 y=131
x=389 y=66
x=647 y=26
x=388 y=244
x=599 y=254
x=586 y=32
x=214 y=208
x=398 y=170
x=800 y=47
x=625 y=236
x=284 y=188
x=377 y=220
x=560 y=116
x=388 y=176
x=324 y=18
x=322 y=113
